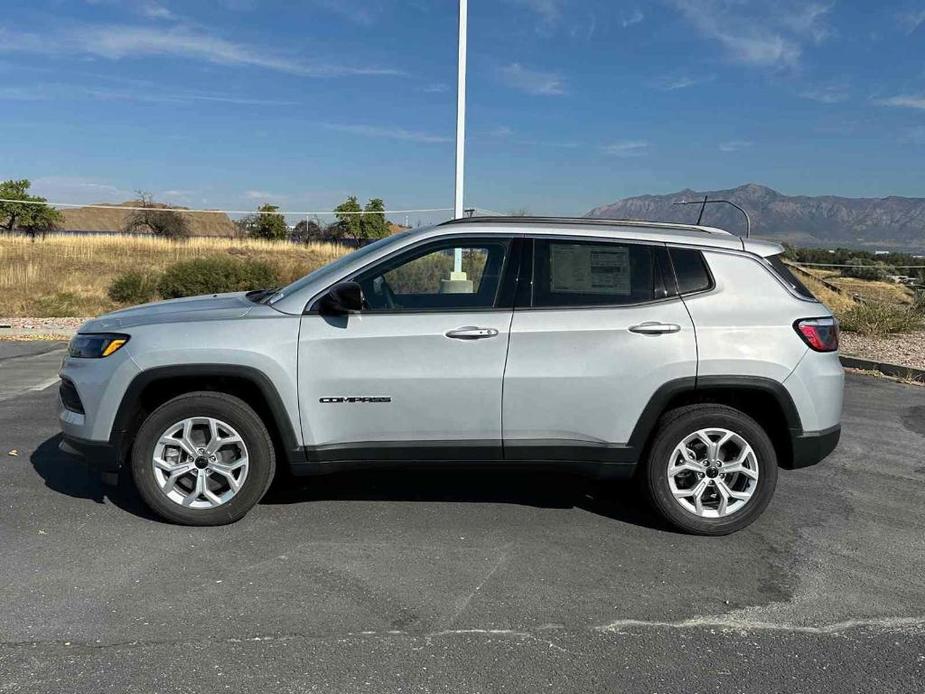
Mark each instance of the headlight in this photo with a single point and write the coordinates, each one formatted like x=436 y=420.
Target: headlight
x=95 y=345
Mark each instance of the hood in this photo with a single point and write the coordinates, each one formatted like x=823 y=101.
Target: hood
x=193 y=308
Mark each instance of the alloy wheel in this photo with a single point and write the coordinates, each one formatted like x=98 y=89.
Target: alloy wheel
x=713 y=473
x=200 y=462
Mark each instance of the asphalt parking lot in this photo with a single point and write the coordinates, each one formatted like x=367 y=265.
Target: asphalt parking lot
x=456 y=581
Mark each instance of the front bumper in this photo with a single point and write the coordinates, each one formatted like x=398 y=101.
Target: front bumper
x=811 y=447
x=99 y=455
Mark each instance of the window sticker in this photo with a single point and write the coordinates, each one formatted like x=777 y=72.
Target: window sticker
x=589 y=269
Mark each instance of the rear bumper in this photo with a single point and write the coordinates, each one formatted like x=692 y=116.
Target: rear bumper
x=811 y=447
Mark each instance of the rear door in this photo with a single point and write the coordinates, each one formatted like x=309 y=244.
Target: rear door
x=417 y=374
x=594 y=334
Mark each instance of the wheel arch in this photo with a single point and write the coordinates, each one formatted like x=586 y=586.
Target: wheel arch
x=763 y=399
x=153 y=387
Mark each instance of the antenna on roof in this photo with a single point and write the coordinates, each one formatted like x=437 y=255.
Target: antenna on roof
x=703 y=204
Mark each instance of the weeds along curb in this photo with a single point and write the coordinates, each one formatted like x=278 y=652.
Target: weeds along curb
x=905 y=373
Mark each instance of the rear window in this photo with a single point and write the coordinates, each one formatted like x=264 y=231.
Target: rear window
x=789 y=278
x=691 y=270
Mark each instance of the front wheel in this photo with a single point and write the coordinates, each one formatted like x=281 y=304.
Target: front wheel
x=203 y=458
x=711 y=469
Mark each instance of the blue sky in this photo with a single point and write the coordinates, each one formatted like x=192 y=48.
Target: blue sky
x=572 y=103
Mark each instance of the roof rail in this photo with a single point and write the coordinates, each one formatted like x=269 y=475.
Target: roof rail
x=583 y=221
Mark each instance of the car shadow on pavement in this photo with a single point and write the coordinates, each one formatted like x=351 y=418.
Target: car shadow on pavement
x=622 y=501
x=69 y=475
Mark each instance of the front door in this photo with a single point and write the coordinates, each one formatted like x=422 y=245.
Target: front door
x=417 y=374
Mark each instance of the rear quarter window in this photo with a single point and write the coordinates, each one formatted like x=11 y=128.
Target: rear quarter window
x=691 y=270
x=789 y=278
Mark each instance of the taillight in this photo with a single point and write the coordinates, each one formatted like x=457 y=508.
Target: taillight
x=821 y=334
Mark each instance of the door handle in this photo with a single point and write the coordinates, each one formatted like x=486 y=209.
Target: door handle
x=655 y=328
x=471 y=332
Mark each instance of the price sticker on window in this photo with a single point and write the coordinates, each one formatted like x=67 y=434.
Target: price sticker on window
x=589 y=269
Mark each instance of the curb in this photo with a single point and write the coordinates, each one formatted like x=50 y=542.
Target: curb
x=894 y=370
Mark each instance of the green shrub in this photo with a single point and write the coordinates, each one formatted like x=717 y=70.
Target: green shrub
x=214 y=275
x=57 y=305
x=864 y=269
x=880 y=319
x=134 y=288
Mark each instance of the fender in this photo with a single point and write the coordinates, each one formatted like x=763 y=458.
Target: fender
x=672 y=390
x=131 y=400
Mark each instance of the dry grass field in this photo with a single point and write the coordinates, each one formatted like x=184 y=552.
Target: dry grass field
x=68 y=275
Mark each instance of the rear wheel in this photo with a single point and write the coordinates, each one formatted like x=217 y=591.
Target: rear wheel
x=203 y=458
x=711 y=469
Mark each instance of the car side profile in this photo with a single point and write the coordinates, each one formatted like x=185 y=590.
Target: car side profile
x=681 y=355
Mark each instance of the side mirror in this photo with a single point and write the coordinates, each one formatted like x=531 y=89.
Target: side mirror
x=343 y=297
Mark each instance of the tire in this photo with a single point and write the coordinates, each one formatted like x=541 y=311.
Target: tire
x=229 y=492
x=723 y=507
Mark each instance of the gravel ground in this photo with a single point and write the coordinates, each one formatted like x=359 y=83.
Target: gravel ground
x=47 y=324
x=22 y=329
x=905 y=350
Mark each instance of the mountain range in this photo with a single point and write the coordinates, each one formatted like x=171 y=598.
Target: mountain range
x=828 y=221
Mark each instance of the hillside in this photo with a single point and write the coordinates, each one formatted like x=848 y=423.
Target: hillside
x=892 y=223
x=112 y=218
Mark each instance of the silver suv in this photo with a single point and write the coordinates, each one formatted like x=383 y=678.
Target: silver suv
x=684 y=356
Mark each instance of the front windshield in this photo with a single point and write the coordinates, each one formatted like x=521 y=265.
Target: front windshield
x=336 y=266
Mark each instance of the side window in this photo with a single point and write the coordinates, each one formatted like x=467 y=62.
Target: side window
x=595 y=273
x=427 y=278
x=691 y=270
x=789 y=278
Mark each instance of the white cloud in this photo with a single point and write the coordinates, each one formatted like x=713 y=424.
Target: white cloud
x=436 y=88
x=627 y=148
x=142 y=92
x=356 y=11
x=78 y=190
x=153 y=10
x=826 y=94
x=530 y=81
x=916 y=101
x=634 y=17
x=912 y=20
x=548 y=10
x=117 y=42
x=263 y=195
x=734 y=145
x=673 y=82
x=501 y=131
x=759 y=33
x=386 y=132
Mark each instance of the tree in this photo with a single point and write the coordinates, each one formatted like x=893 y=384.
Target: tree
x=360 y=224
x=307 y=231
x=266 y=224
x=31 y=215
x=373 y=221
x=159 y=221
x=40 y=220
x=349 y=222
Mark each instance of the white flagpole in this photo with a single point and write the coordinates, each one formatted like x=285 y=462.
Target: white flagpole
x=461 y=121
